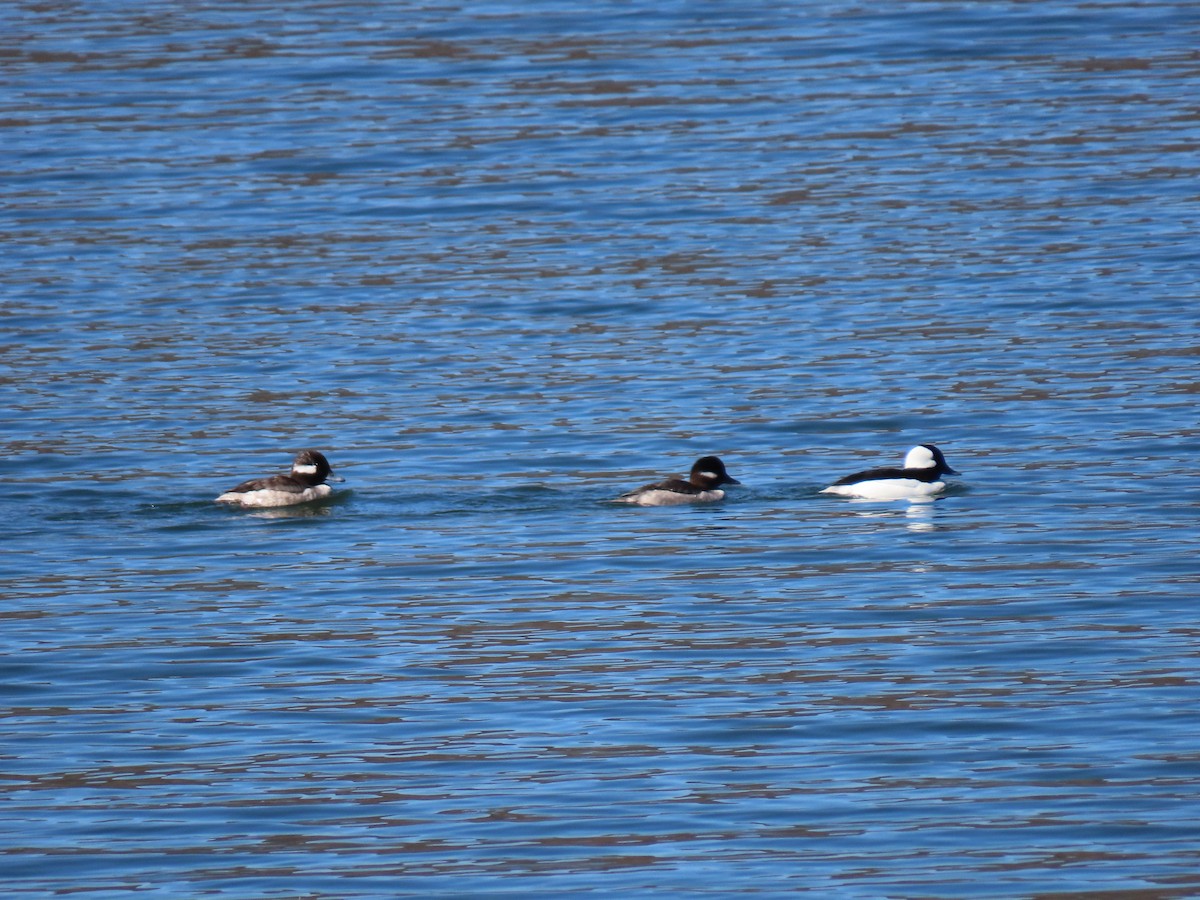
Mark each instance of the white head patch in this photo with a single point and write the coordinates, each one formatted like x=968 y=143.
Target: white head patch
x=304 y=470
x=919 y=458
x=712 y=475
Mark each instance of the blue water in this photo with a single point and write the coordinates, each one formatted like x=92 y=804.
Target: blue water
x=502 y=262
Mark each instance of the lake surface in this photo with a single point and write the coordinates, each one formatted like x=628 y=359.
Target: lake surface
x=502 y=262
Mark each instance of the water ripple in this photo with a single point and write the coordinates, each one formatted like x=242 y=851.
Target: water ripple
x=503 y=264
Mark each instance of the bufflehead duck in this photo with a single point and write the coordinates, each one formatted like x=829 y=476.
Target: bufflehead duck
x=305 y=483
x=920 y=479
x=702 y=486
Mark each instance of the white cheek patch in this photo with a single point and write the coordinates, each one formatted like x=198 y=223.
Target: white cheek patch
x=305 y=470
x=712 y=475
x=919 y=458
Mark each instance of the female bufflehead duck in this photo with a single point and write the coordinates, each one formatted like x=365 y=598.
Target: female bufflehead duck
x=306 y=482
x=920 y=479
x=702 y=486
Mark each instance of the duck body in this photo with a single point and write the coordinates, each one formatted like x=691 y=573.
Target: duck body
x=920 y=478
x=305 y=483
x=703 y=485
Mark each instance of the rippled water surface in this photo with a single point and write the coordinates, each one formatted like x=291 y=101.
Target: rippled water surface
x=504 y=261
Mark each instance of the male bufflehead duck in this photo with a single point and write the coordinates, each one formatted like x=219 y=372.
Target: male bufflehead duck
x=920 y=479
x=305 y=483
x=702 y=486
